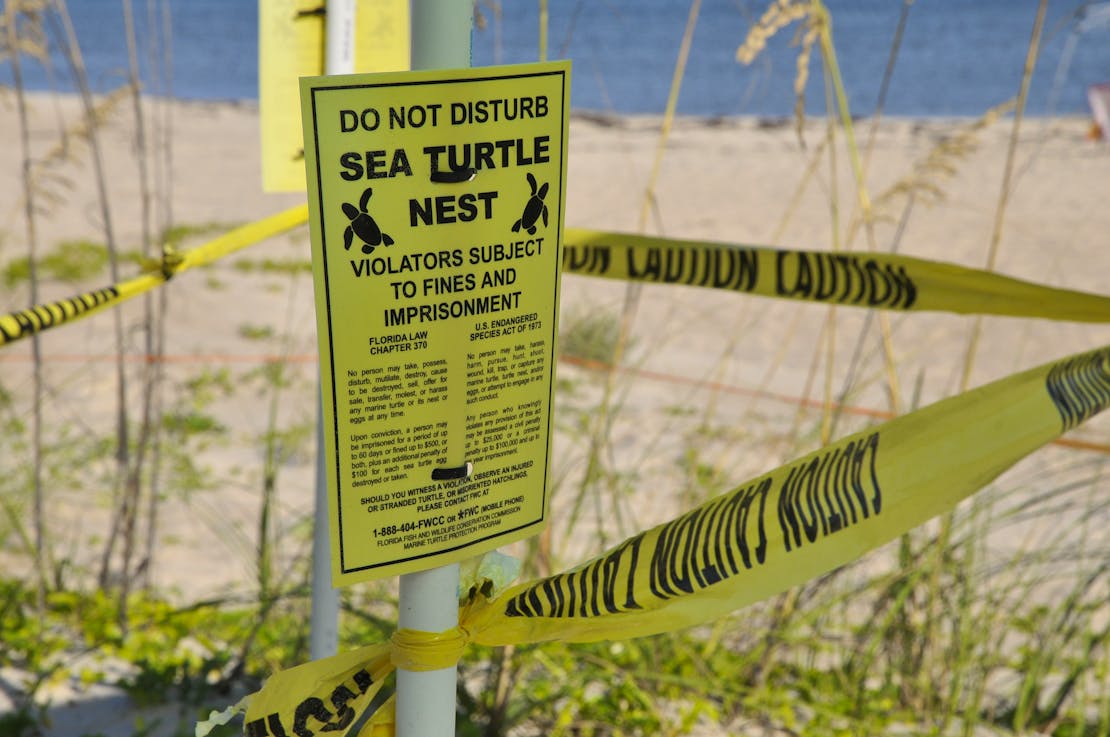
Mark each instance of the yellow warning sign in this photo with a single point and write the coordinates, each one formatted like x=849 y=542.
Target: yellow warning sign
x=291 y=45
x=436 y=213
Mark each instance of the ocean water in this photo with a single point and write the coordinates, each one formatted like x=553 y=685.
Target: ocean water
x=958 y=57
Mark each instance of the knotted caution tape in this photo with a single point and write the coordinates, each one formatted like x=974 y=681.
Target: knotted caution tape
x=415 y=650
x=20 y=324
x=883 y=281
x=783 y=528
x=332 y=694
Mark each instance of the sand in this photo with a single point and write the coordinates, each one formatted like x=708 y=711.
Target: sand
x=697 y=356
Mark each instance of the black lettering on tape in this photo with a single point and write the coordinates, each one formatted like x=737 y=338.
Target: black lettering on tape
x=270 y=726
x=843 y=278
x=587 y=259
x=40 y=317
x=788 y=516
x=314 y=708
x=709 y=544
x=670 y=568
x=612 y=566
x=344 y=714
x=606 y=585
x=310 y=708
x=1080 y=387
x=719 y=267
x=699 y=549
x=571 y=587
x=830 y=492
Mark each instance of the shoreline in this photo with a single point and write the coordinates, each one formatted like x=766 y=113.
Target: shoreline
x=251 y=104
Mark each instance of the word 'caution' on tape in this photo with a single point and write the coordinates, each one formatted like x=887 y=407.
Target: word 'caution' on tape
x=16 y=325
x=780 y=529
x=885 y=281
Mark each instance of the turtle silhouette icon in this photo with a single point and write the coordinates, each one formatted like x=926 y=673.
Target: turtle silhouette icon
x=534 y=209
x=363 y=225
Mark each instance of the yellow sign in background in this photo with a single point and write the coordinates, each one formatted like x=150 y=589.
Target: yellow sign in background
x=436 y=202
x=291 y=45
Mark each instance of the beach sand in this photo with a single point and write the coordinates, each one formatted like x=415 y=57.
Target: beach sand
x=697 y=357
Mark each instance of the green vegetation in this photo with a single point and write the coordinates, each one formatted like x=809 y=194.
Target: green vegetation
x=273 y=266
x=182 y=235
x=591 y=334
x=69 y=261
x=940 y=633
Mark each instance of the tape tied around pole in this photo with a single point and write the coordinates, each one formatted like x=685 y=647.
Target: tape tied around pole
x=785 y=527
x=416 y=650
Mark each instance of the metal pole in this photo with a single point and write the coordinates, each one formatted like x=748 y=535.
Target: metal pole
x=441 y=33
x=323 y=640
x=339 y=37
x=429 y=599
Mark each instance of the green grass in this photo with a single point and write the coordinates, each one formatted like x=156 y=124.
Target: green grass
x=590 y=333
x=69 y=261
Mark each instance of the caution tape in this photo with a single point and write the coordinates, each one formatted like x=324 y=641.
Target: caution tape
x=326 y=695
x=804 y=518
x=16 y=325
x=884 y=281
x=780 y=529
x=421 y=651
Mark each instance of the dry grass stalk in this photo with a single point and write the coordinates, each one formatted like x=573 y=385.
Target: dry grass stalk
x=32 y=19
x=925 y=181
x=814 y=18
x=816 y=25
x=1031 y=57
x=48 y=173
x=25 y=18
x=779 y=15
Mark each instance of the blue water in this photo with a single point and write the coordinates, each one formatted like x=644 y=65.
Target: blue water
x=958 y=57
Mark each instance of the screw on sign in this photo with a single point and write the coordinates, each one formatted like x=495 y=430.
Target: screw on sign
x=363 y=225
x=533 y=209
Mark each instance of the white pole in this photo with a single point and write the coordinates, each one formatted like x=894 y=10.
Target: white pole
x=426 y=699
x=429 y=599
x=339 y=37
x=323 y=640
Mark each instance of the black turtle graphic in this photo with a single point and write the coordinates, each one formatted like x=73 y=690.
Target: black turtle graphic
x=363 y=226
x=533 y=209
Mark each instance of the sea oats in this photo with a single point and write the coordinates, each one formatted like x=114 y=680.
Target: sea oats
x=941 y=162
x=780 y=14
x=48 y=174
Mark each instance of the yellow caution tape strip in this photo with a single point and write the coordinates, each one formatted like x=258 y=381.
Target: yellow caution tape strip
x=414 y=650
x=20 y=324
x=803 y=519
x=885 y=281
x=383 y=723
x=780 y=529
x=322 y=696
